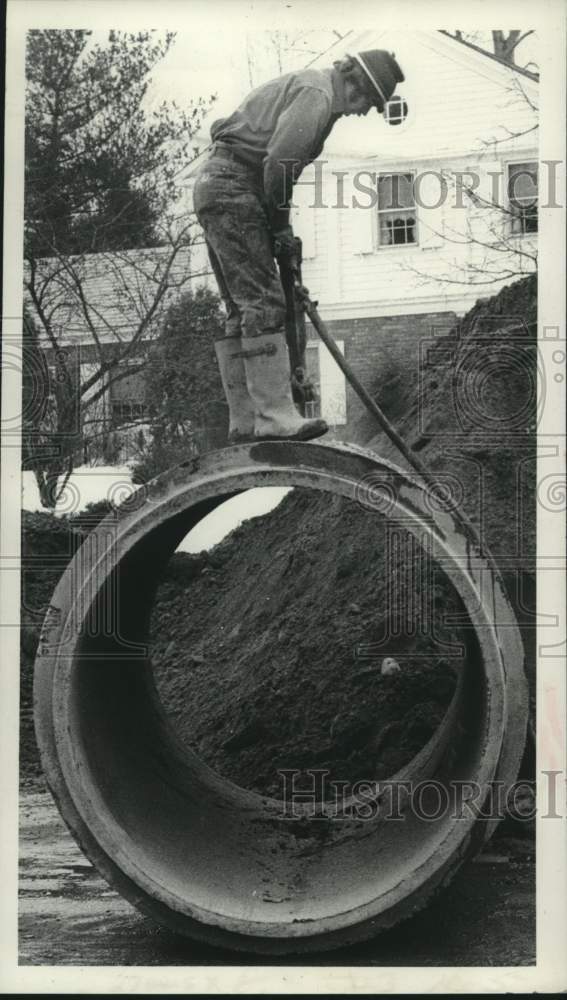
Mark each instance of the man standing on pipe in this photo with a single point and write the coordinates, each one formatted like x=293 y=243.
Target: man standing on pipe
x=241 y=197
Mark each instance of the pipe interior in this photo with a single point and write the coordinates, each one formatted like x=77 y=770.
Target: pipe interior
x=194 y=840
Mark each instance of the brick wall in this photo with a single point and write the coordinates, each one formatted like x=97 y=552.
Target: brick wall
x=384 y=353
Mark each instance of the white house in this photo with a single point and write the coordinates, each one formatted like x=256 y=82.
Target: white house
x=412 y=216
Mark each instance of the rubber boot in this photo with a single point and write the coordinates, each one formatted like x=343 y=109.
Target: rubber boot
x=266 y=361
x=233 y=377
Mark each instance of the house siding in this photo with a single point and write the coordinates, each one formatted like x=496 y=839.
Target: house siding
x=459 y=101
x=428 y=275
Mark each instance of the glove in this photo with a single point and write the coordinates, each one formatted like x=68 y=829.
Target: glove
x=302 y=295
x=284 y=243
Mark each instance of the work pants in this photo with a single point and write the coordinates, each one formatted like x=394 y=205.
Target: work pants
x=230 y=206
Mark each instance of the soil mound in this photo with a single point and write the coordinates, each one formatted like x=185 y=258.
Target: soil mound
x=268 y=652
x=473 y=417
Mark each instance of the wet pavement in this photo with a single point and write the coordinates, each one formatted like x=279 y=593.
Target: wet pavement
x=68 y=915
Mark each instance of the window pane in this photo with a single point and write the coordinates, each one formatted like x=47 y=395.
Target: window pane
x=385 y=233
x=522 y=196
x=396 y=111
x=385 y=191
x=522 y=182
x=130 y=388
x=125 y=412
x=395 y=191
x=397 y=228
x=530 y=220
x=406 y=191
x=528 y=217
x=524 y=220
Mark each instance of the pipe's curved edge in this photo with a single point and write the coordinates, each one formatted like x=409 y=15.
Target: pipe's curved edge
x=73 y=695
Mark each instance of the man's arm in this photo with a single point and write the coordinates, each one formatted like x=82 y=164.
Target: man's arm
x=294 y=144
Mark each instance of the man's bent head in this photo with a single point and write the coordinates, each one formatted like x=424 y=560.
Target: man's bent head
x=370 y=79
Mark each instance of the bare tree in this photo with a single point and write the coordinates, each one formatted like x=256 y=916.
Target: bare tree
x=271 y=53
x=503 y=44
x=106 y=243
x=100 y=309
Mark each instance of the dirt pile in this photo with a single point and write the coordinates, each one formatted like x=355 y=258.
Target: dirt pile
x=473 y=418
x=268 y=652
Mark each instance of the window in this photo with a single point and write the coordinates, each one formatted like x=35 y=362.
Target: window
x=126 y=411
x=313 y=374
x=396 y=210
x=396 y=111
x=329 y=384
x=128 y=397
x=522 y=197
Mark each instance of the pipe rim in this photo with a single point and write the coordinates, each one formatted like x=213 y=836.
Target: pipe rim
x=227 y=469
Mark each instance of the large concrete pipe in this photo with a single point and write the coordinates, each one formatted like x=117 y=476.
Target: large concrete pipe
x=193 y=850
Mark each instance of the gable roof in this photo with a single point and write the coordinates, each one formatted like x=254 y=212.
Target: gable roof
x=491 y=55
x=114 y=292
x=454 y=38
